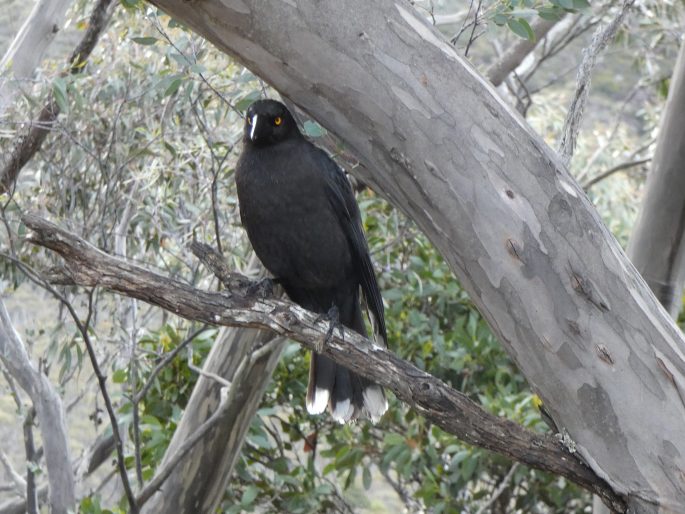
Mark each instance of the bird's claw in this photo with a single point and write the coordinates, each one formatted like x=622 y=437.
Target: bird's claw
x=261 y=288
x=333 y=318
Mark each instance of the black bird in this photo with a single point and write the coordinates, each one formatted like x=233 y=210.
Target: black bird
x=304 y=224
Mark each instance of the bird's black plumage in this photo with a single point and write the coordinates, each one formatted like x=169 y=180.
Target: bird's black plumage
x=304 y=224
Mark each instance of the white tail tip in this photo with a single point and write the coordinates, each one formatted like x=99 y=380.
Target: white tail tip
x=319 y=402
x=343 y=411
x=375 y=402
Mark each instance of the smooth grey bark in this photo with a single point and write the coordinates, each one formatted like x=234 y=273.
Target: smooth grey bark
x=197 y=484
x=520 y=234
x=49 y=410
x=656 y=247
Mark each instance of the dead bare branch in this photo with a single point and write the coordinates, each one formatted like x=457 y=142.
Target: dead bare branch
x=601 y=38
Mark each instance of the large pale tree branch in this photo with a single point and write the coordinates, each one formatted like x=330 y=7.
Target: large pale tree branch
x=657 y=246
x=524 y=240
x=454 y=412
x=49 y=410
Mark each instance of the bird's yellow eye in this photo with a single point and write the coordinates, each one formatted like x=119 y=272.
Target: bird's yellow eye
x=278 y=120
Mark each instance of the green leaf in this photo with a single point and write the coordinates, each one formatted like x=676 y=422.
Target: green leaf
x=249 y=495
x=393 y=439
x=173 y=86
x=59 y=89
x=119 y=376
x=131 y=4
x=581 y=4
x=551 y=13
x=663 y=86
x=500 y=19
x=566 y=4
x=245 y=102
x=147 y=40
x=366 y=477
x=520 y=27
x=197 y=68
x=469 y=467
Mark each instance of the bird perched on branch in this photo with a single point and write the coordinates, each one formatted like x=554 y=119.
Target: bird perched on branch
x=304 y=224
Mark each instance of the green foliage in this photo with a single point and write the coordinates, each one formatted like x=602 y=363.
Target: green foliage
x=516 y=14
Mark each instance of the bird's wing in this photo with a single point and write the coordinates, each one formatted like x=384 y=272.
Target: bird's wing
x=342 y=200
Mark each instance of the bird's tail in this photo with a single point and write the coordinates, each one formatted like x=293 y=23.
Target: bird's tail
x=346 y=394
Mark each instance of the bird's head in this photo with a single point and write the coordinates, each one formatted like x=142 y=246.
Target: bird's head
x=268 y=122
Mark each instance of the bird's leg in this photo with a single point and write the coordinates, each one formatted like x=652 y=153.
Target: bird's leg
x=333 y=318
x=262 y=288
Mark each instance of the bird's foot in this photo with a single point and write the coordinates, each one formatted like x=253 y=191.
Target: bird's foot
x=261 y=288
x=333 y=318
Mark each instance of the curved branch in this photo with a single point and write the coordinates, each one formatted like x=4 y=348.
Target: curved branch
x=453 y=411
x=614 y=169
x=49 y=410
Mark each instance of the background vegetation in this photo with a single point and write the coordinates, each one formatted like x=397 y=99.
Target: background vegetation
x=142 y=163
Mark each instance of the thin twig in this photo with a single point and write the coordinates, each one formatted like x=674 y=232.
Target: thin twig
x=217 y=164
x=164 y=362
x=623 y=166
x=464 y=26
x=406 y=496
x=170 y=42
x=603 y=35
x=19 y=482
x=473 y=29
x=136 y=434
x=616 y=122
x=206 y=374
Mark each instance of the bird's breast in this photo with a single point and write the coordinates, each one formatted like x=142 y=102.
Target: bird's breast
x=292 y=226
